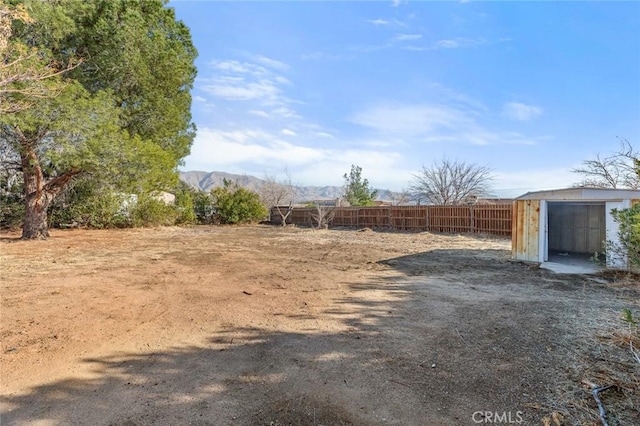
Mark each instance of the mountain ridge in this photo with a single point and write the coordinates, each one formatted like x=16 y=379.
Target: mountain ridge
x=206 y=181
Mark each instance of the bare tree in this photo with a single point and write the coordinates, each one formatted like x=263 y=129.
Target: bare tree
x=323 y=215
x=450 y=182
x=618 y=170
x=279 y=196
x=401 y=198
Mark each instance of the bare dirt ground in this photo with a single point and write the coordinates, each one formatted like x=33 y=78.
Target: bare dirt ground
x=278 y=326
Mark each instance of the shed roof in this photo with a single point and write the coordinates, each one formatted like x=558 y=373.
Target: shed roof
x=583 y=194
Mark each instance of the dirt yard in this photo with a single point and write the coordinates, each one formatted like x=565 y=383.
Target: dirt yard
x=277 y=326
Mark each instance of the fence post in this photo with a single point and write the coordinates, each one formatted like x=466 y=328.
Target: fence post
x=426 y=219
x=473 y=222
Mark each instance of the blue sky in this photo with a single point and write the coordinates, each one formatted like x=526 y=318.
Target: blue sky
x=529 y=89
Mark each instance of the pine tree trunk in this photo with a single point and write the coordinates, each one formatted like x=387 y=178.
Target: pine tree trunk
x=38 y=194
x=34 y=226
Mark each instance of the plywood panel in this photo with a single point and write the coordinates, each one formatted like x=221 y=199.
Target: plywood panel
x=533 y=218
x=525 y=241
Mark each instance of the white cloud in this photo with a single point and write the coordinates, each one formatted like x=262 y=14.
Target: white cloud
x=378 y=21
x=233 y=66
x=447 y=44
x=259 y=113
x=282 y=80
x=324 y=135
x=258 y=83
x=396 y=3
x=520 y=112
x=216 y=149
x=284 y=112
x=396 y=41
x=389 y=22
x=456 y=99
x=203 y=104
x=241 y=81
x=407 y=37
x=410 y=120
x=435 y=123
x=241 y=90
x=457 y=43
x=454 y=43
x=288 y=132
x=478 y=135
x=271 y=63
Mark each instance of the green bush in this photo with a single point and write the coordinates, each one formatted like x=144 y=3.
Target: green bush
x=11 y=209
x=234 y=204
x=628 y=237
x=88 y=204
x=203 y=208
x=148 y=211
x=11 y=199
x=184 y=205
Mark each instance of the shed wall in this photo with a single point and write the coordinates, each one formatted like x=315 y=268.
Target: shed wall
x=525 y=241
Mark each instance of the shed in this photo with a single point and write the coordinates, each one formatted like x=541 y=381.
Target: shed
x=568 y=224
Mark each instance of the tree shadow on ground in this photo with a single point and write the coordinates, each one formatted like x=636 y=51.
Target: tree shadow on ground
x=458 y=332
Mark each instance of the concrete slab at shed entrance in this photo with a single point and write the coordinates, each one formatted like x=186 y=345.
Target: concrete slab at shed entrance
x=562 y=268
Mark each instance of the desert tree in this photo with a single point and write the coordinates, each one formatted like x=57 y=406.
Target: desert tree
x=322 y=215
x=278 y=195
x=357 y=190
x=121 y=116
x=448 y=182
x=617 y=170
x=71 y=134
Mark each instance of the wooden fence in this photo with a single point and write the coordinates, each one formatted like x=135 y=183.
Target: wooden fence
x=492 y=218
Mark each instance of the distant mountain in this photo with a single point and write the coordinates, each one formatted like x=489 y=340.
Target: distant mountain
x=206 y=181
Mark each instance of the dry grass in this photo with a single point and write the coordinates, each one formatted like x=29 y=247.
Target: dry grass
x=611 y=359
